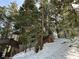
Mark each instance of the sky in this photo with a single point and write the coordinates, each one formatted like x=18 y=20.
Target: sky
x=7 y=2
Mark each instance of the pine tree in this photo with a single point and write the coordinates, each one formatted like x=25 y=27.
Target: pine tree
x=28 y=23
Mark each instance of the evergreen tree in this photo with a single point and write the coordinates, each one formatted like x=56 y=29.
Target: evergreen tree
x=27 y=21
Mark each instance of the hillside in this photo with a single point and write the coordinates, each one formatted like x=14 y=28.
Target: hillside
x=60 y=49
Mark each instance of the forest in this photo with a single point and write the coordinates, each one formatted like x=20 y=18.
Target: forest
x=35 y=23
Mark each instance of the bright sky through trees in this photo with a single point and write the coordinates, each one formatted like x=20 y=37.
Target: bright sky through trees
x=7 y=2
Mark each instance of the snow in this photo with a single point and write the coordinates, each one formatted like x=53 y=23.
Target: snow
x=57 y=50
x=76 y=6
x=22 y=54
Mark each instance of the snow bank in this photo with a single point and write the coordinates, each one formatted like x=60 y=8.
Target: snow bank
x=57 y=50
x=24 y=54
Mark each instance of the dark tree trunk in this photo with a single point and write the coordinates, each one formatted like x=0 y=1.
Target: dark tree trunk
x=57 y=30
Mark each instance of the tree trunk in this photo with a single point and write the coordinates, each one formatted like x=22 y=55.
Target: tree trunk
x=57 y=30
x=42 y=24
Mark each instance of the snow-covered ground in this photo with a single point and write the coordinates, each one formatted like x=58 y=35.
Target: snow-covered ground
x=57 y=50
